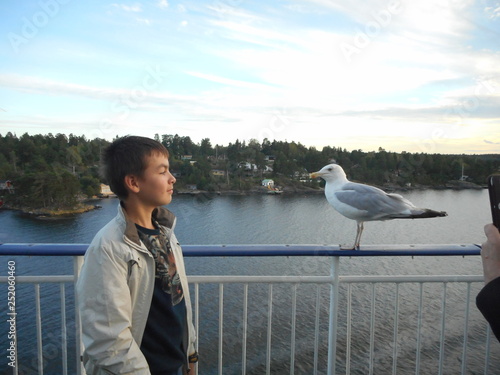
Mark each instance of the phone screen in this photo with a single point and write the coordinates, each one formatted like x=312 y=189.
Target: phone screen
x=494 y=190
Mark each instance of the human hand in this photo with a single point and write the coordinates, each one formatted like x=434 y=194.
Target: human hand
x=490 y=253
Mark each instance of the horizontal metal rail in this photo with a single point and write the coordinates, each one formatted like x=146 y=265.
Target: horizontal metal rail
x=64 y=249
x=412 y=279
x=221 y=279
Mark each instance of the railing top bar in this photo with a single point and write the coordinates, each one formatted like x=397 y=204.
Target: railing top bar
x=65 y=249
x=58 y=249
x=330 y=250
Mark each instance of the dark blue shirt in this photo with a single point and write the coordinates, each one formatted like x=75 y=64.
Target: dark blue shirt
x=162 y=342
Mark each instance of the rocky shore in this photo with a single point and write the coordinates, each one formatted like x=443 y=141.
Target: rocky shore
x=450 y=185
x=257 y=190
x=51 y=212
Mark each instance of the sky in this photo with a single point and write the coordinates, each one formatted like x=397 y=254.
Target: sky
x=404 y=75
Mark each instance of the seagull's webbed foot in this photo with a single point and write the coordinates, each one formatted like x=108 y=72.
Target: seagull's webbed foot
x=354 y=247
x=357 y=240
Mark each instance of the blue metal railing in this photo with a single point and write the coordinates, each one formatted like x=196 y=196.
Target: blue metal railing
x=64 y=249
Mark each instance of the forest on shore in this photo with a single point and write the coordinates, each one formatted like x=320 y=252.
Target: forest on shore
x=58 y=171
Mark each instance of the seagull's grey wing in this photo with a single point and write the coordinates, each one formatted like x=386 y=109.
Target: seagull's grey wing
x=375 y=203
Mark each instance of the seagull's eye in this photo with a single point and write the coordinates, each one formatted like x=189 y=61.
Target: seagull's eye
x=330 y=169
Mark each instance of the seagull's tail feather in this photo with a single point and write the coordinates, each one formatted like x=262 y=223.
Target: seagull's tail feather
x=421 y=213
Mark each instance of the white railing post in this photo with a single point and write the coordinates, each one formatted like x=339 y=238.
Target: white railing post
x=316 y=328
x=334 y=307
x=221 y=326
x=39 y=339
x=245 y=331
x=269 y=328
x=197 y=318
x=64 y=334
x=293 y=327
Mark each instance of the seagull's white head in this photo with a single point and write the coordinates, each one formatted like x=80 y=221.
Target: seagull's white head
x=331 y=173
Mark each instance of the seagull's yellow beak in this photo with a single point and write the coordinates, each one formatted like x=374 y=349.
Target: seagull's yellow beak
x=315 y=174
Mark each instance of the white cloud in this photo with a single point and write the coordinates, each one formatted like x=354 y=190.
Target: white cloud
x=144 y=21
x=30 y=84
x=425 y=45
x=228 y=81
x=163 y=4
x=493 y=12
x=129 y=8
x=491 y=142
x=227 y=10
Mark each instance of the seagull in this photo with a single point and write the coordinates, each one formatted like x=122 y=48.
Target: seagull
x=362 y=202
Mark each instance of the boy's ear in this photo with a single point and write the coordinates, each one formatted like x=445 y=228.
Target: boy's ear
x=132 y=183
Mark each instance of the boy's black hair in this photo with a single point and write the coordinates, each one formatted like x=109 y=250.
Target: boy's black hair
x=127 y=155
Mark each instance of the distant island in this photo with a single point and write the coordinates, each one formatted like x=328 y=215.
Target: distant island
x=51 y=175
x=50 y=212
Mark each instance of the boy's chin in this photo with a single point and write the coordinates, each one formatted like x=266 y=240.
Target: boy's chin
x=167 y=201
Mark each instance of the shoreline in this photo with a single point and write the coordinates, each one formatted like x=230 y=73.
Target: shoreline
x=87 y=205
x=289 y=190
x=53 y=213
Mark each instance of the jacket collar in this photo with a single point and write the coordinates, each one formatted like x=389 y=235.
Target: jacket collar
x=163 y=216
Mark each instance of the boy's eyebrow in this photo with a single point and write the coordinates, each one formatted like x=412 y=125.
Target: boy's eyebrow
x=163 y=165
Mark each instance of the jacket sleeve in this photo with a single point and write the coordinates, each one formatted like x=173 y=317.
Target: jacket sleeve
x=488 y=302
x=106 y=314
x=191 y=349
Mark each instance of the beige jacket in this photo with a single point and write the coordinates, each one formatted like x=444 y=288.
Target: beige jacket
x=114 y=293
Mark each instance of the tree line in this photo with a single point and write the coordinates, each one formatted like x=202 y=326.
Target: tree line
x=56 y=170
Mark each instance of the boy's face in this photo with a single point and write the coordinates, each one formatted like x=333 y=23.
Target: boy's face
x=157 y=183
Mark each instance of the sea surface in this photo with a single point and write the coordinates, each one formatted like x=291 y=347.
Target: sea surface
x=283 y=219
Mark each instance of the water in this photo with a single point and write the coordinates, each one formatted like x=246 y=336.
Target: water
x=264 y=219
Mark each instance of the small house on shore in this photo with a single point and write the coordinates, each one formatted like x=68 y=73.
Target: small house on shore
x=106 y=191
x=268 y=183
x=6 y=186
x=218 y=172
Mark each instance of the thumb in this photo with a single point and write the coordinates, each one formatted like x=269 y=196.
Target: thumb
x=492 y=233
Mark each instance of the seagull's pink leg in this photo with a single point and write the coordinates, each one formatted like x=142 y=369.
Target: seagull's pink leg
x=358 y=235
x=357 y=239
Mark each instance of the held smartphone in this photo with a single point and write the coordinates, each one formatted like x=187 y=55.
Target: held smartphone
x=494 y=190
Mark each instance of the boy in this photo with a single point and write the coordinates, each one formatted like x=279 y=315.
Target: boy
x=132 y=291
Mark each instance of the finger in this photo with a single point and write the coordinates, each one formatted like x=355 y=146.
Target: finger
x=492 y=233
